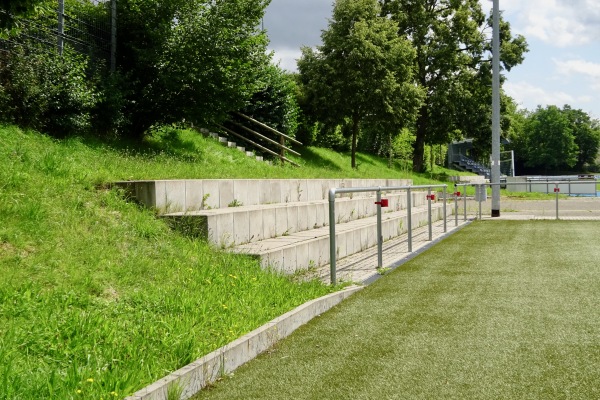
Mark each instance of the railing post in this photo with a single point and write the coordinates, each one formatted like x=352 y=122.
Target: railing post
x=557 y=191
x=409 y=217
x=379 y=234
x=479 y=196
x=455 y=205
x=429 y=213
x=445 y=212
x=282 y=150
x=332 y=249
x=465 y=202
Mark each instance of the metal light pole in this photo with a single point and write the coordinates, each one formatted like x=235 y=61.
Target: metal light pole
x=496 y=110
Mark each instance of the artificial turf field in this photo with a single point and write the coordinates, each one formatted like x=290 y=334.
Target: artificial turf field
x=499 y=310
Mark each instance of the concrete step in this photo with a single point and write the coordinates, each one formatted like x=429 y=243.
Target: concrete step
x=226 y=227
x=310 y=249
x=169 y=196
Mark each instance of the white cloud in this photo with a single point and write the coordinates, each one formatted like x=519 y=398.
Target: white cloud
x=588 y=69
x=286 y=58
x=530 y=96
x=560 y=23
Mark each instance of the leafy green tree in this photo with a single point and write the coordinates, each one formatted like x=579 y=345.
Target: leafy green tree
x=11 y=10
x=362 y=72
x=587 y=136
x=549 y=140
x=193 y=60
x=275 y=103
x=513 y=122
x=452 y=65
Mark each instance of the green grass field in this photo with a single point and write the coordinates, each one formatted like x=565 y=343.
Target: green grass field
x=500 y=310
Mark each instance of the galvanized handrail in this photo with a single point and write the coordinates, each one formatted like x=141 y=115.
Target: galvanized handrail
x=335 y=191
x=557 y=191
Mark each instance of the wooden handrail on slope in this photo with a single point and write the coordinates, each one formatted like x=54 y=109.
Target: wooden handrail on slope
x=269 y=128
x=263 y=137
x=282 y=136
x=283 y=158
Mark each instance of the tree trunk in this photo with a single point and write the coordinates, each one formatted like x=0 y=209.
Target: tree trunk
x=355 y=131
x=419 y=149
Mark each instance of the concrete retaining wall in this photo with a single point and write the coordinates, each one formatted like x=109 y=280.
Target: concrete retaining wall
x=169 y=196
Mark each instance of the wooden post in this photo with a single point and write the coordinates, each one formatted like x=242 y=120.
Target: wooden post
x=282 y=151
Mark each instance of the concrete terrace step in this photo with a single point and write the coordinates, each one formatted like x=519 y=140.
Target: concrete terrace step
x=226 y=227
x=170 y=196
x=363 y=267
x=283 y=222
x=308 y=249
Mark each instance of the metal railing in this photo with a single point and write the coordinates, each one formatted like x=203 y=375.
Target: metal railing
x=556 y=188
x=382 y=203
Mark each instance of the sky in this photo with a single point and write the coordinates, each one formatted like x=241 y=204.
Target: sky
x=561 y=67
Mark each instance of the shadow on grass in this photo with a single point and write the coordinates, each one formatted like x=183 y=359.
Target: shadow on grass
x=364 y=159
x=176 y=144
x=313 y=159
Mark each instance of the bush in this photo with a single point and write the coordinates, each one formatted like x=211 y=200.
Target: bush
x=45 y=91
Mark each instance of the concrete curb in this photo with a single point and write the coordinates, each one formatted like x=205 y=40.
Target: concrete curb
x=190 y=379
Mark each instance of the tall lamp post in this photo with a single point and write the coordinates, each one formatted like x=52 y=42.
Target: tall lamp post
x=496 y=110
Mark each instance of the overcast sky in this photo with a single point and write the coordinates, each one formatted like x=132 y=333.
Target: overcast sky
x=562 y=66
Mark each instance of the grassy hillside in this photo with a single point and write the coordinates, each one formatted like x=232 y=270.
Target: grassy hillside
x=98 y=298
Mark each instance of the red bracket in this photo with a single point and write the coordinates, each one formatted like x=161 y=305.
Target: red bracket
x=382 y=203
x=457 y=194
x=556 y=190
x=431 y=197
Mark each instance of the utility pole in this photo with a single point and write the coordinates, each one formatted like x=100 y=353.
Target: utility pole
x=496 y=110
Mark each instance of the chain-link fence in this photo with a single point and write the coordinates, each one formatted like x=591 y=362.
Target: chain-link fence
x=86 y=26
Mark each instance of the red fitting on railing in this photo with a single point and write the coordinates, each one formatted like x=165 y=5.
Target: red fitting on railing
x=431 y=197
x=382 y=203
x=556 y=190
x=457 y=194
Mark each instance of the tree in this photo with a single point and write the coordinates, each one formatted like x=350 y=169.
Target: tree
x=452 y=64
x=193 y=60
x=275 y=103
x=362 y=72
x=587 y=137
x=11 y=10
x=549 y=140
